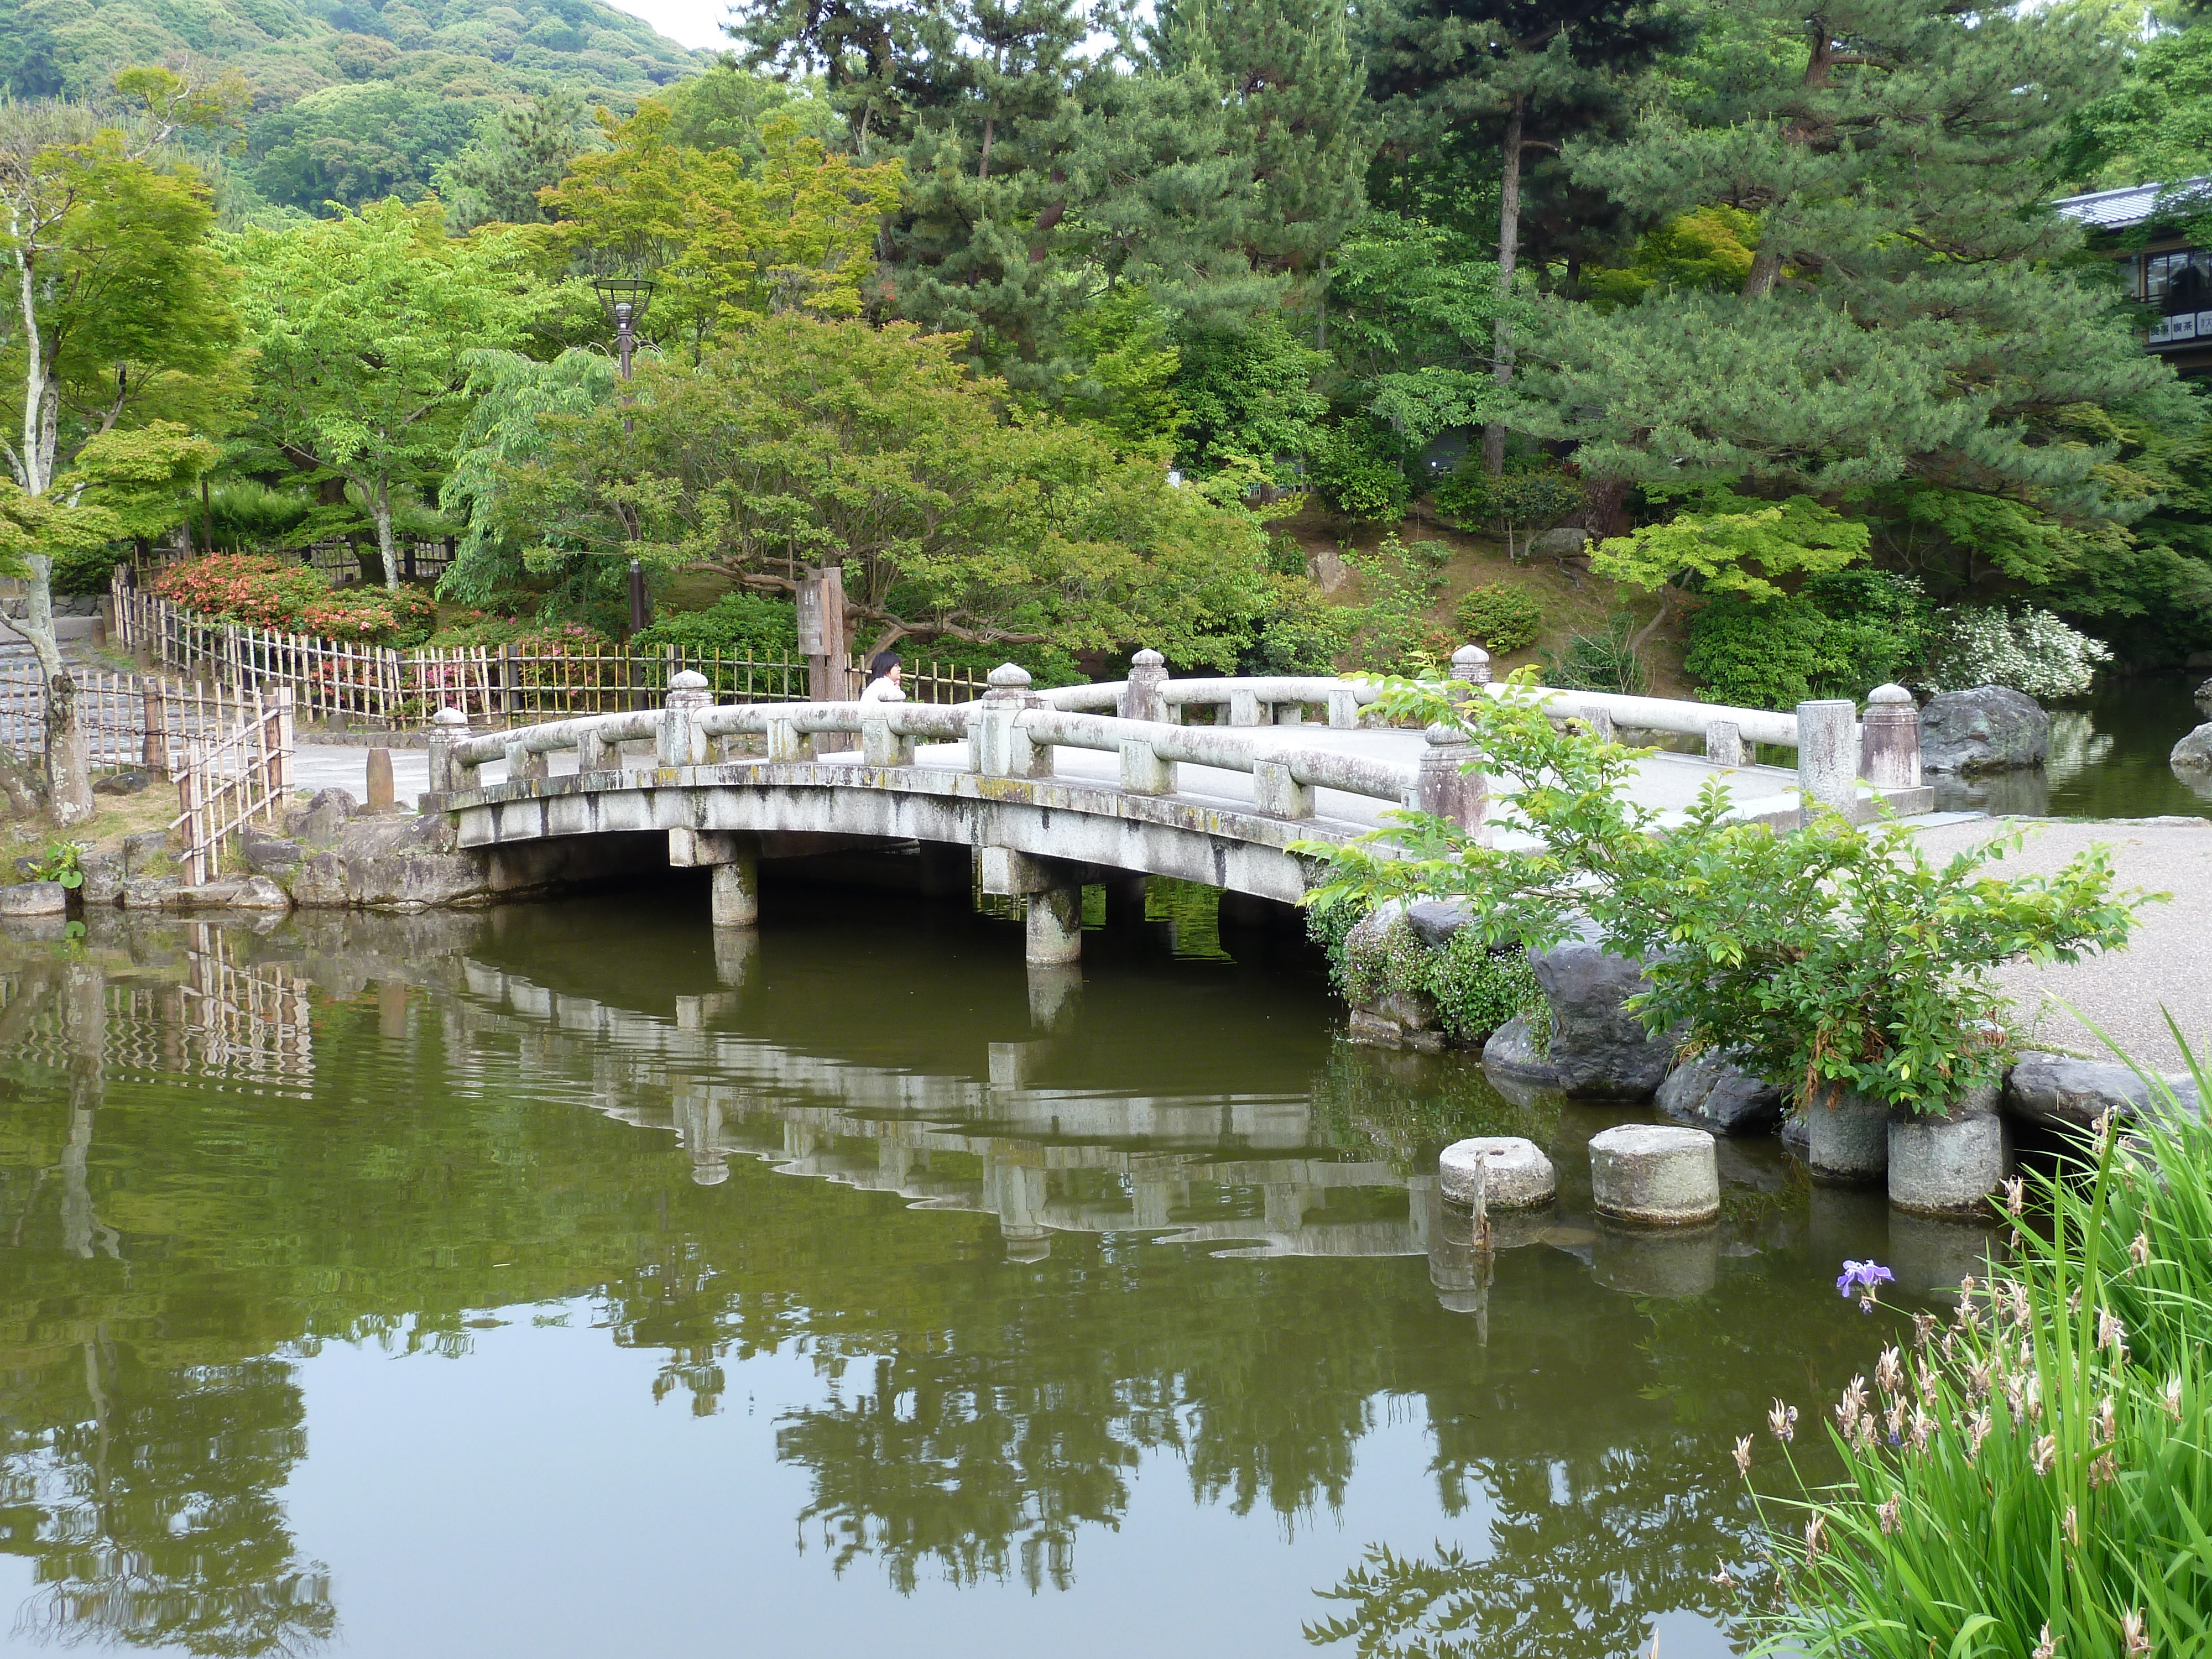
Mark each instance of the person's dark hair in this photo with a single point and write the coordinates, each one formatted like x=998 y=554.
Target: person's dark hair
x=881 y=664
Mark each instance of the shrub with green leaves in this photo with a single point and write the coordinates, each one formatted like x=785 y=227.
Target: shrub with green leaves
x=1358 y=474
x=1501 y=617
x=1839 y=636
x=1300 y=632
x=1836 y=958
x=1600 y=662
x=2032 y=650
x=737 y=624
x=1395 y=634
x=2036 y=1481
x=1476 y=986
x=1529 y=494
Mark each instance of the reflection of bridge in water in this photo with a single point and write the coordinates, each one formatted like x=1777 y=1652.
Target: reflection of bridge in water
x=1040 y=1160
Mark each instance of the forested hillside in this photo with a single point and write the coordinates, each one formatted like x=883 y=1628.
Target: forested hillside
x=352 y=100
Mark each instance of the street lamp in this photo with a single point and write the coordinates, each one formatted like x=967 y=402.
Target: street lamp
x=625 y=299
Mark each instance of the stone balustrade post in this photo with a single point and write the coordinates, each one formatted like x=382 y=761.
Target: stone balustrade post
x=1827 y=757
x=1245 y=708
x=1343 y=709
x=449 y=727
x=1143 y=771
x=524 y=764
x=1278 y=795
x=879 y=745
x=1144 y=700
x=1889 y=744
x=1724 y=743
x=1451 y=786
x=679 y=742
x=786 y=744
x=591 y=751
x=1470 y=666
x=1002 y=749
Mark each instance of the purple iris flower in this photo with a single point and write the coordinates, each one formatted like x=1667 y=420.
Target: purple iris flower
x=1863 y=1277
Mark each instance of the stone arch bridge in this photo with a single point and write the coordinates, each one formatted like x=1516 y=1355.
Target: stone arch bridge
x=1046 y=790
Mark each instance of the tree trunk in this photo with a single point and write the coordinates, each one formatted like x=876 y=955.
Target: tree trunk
x=1509 y=247
x=382 y=501
x=1758 y=281
x=68 y=760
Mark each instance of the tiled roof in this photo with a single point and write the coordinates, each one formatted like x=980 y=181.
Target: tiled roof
x=2117 y=209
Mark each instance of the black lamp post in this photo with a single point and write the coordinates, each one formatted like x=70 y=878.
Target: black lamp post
x=625 y=299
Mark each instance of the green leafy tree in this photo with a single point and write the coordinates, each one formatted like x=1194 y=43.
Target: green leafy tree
x=1729 y=544
x=1908 y=312
x=1514 y=71
x=515 y=154
x=728 y=241
x=118 y=315
x=356 y=144
x=364 y=328
x=805 y=442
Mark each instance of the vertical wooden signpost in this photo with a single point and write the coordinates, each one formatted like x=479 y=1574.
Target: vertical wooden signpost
x=822 y=642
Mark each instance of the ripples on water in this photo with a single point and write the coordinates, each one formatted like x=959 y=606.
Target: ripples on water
x=558 y=1280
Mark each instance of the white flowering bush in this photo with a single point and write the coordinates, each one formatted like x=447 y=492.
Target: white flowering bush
x=2033 y=652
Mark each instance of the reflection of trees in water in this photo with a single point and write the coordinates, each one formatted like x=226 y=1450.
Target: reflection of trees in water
x=1582 y=1553
x=153 y=1521
x=980 y=1414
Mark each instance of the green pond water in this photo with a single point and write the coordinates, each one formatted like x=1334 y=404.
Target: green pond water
x=2108 y=758
x=550 y=1281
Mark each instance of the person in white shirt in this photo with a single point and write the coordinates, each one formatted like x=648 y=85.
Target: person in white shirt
x=884 y=673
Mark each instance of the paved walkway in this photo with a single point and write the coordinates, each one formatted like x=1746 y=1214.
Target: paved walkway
x=2167 y=967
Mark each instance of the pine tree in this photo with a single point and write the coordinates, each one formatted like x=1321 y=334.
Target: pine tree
x=1910 y=312
x=515 y=154
x=1512 y=71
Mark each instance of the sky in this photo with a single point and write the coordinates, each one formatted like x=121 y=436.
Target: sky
x=688 y=22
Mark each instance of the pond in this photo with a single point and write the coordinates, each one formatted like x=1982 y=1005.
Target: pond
x=561 y=1279
x=2108 y=758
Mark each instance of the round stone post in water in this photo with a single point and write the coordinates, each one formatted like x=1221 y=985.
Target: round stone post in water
x=1847 y=1140
x=1056 y=925
x=1144 y=700
x=1827 y=757
x=1655 y=1174
x=1947 y=1163
x=1889 y=750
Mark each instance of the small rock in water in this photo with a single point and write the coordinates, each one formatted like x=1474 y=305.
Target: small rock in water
x=33 y=898
x=1992 y=728
x=1598 y=1049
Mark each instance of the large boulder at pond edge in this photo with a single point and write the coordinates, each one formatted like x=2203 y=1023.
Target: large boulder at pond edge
x=2059 y=1092
x=1598 y=1049
x=1713 y=1094
x=2194 y=752
x=392 y=863
x=1992 y=728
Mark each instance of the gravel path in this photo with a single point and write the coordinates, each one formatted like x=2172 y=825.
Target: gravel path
x=2167 y=967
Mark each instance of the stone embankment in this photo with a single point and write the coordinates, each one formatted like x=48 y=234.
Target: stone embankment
x=332 y=854
x=1584 y=1045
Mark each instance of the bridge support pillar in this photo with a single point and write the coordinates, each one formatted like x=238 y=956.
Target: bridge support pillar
x=1055 y=927
x=1055 y=895
x=735 y=860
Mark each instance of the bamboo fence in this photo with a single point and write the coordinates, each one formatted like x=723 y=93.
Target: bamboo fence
x=335 y=681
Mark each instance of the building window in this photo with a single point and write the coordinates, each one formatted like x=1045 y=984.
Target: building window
x=2179 y=287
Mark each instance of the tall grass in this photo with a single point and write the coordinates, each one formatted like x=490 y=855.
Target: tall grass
x=2034 y=1481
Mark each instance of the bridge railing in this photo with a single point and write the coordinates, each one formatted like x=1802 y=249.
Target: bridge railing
x=1013 y=731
